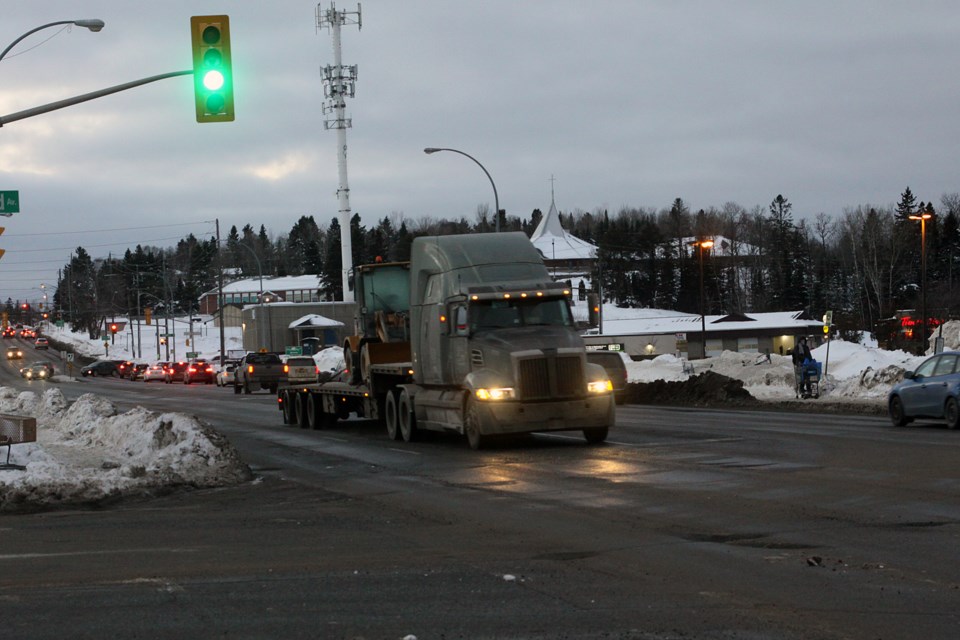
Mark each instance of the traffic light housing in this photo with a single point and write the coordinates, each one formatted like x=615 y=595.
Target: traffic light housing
x=147 y=315
x=114 y=328
x=212 y=74
x=593 y=304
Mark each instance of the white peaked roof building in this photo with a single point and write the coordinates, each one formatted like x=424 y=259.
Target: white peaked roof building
x=555 y=244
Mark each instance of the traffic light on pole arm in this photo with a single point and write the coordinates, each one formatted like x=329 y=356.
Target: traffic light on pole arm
x=212 y=74
x=113 y=328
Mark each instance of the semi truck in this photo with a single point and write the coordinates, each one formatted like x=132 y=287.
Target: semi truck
x=471 y=336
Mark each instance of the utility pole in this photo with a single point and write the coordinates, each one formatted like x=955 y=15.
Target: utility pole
x=339 y=83
x=223 y=340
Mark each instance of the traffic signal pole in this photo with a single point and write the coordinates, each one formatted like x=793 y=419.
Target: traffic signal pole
x=69 y=102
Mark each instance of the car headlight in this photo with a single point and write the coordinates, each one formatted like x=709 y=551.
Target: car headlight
x=503 y=393
x=600 y=386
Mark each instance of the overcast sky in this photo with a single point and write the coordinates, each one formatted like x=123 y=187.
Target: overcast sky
x=832 y=104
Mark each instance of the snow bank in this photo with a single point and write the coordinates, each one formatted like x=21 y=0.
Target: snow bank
x=88 y=451
x=854 y=371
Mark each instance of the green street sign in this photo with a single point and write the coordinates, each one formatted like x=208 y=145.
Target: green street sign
x=293 y=351
x=9 y=203
x=192 y=354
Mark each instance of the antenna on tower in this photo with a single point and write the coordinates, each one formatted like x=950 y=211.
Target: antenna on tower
x=339 y=83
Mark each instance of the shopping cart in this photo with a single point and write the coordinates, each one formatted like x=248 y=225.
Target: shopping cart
x=808 y=379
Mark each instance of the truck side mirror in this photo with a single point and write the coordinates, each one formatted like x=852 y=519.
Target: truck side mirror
x=460 y=326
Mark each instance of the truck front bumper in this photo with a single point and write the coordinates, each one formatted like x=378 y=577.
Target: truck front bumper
x=566 y=415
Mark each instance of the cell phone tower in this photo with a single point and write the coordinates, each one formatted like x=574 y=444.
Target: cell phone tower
x=339 y=83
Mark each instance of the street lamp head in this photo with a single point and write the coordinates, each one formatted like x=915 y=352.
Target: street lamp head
x=430 y=150
x=93 y=24
x=921 y=216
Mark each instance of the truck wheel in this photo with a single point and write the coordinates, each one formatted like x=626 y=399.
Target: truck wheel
x=391 y=415
x=408 y=421
x=596 y=435
x=472 y=427
x=287 y=406
x=246 y=388
x=300 y=404
x=315 y=417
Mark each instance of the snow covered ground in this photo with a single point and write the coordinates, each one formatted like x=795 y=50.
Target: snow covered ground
x=88 y=451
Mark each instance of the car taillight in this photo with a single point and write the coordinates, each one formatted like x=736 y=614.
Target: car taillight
x=286 y=368
x=250 y=369
x=209 y=369
x=192 y=370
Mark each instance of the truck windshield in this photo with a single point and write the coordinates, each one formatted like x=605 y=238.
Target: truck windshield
x=519 y=312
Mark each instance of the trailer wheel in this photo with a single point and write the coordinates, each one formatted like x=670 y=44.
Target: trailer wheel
x=288 y=410
x=316 y=419
x=471 y=427
x=408 y=420
x=596 y=435
x=391 y=415
x=300 y=409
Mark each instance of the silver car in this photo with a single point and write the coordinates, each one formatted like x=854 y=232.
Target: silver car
x=932 y=391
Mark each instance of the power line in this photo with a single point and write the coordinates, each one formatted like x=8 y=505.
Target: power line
x=100 y=231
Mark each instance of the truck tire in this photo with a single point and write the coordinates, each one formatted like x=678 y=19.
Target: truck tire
x=407 y=418
x=236 y=388
x=472 y=427
x=300 y=404
x=315 y=415
x=596 y=435
x=246 y=388
x=287 y=405
x=352 y=361
x=391 y=415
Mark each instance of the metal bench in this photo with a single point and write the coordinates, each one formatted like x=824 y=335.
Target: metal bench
x=16 y=430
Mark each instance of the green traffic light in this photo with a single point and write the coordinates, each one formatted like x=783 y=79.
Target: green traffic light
x=213 y=80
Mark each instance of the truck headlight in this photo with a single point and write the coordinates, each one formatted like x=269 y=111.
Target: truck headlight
x=600 y=386
x=503 y=393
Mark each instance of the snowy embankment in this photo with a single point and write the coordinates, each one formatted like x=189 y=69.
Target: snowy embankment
x=88 y=451
x=853 y=372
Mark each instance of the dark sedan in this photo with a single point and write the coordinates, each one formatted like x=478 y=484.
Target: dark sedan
x=198 y=371
x=932 y=391
x=100 y=368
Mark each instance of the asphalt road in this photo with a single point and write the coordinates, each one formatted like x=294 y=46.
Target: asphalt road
x=686 y=524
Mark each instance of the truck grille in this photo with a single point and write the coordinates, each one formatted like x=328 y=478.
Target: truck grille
x=551 y=376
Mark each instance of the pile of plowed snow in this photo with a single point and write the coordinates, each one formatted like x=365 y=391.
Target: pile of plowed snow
x=88 y=451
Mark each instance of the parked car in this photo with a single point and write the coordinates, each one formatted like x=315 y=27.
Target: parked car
x=13 y=353
x=612 y=362
x=198 y=371
x=37 y=371
x=100 y=368
x=175 y=371
x=41 y=343
x=932 y=391
x=155 y=371
x=224 y=377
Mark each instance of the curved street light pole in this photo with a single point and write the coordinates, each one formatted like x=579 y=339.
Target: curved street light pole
x=702 y=244
x=92 y=24
x=922 y=217
x=496 y=199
